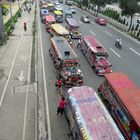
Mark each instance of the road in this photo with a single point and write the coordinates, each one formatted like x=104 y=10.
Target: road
x=17 y=93
x=126 y=60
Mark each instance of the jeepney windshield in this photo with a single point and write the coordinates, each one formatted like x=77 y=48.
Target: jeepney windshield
x=101 y=55
x=59 y=16
x=70 y=64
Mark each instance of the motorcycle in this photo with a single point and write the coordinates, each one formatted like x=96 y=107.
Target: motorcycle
x=118 y=44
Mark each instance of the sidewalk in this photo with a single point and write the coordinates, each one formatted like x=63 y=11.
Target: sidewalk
x=15 y=8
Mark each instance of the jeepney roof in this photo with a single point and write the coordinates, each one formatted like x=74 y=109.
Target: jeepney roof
x=58 y=12
x=72 y=22
x=44 y=11
x=60 y=29
x=128 y=93
x=45 y=6
x=62 y=46
x=50 y=5
x=94 y=44
x=50 y=18
x=92 y=117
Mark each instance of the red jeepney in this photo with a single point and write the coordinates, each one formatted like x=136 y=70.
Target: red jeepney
x=87 y=116
x=96 y=54
x=49 y=20
x=122 y=98
x=66 y=62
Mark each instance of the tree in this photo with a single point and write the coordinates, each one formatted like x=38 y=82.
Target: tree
x=99 y=3
x=129 y=8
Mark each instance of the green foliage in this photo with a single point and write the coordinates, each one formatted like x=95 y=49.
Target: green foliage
x=129 y=7
x=8 y=25
x=112 y=14
x=124 y=21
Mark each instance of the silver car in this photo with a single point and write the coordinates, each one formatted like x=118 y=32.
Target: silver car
x=85 y=19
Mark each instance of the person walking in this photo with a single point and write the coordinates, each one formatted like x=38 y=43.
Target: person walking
x=25 y=26
x=79 y=43
x=59 y=85
x=60 y=108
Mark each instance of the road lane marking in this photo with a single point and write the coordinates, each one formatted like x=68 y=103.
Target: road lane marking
x=115 y=52
x=27 y=93
x=79 y=21
x=3 y=94
x=92 y=33
x=21 y=76
x=108 y=33
x=134 y=51
x=92 y=22
x=113 y=28
x=45 y=84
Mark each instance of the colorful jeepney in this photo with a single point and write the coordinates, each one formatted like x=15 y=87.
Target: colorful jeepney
x=49 y=20
x=58 y=16
x=73 y=27
x=87 y=116
x=96 y=54
x=43 y=13
x=66 y=62
x=51 y=7
x=60 y=30
x=122 y=98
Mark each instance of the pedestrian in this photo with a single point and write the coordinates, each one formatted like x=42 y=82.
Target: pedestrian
x=59 y=85
x=79 y=43
x=25 y=26
x=61 y=106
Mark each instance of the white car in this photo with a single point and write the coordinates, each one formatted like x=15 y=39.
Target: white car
x=73 y=10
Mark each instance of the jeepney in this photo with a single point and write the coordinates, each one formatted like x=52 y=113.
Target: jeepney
x=87 y=117
x=73 y=28
x=96 y=54
x=66 y=62
x=68 y=14
x=60 y=30
x=122 y=98
x=43 y=14
x=51 y=7
x=49 y=20
x=58 y=16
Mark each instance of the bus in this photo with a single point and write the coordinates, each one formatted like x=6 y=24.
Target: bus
x=87 y=116
x=122 y=98
x=66 y=62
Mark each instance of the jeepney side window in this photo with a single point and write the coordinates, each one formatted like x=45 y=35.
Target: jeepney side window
x=122 y=117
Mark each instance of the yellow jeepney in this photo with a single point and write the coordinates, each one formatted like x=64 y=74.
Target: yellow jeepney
x=60 y=30
x=51 y=7
x=58 y=16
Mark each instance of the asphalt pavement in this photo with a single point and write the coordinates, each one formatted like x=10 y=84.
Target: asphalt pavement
x=18 y=94
x=125 y=60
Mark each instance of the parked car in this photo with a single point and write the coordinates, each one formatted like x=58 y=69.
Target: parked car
x=73 y=10
x=56 y=3
x=85 y=19
x=100 y=21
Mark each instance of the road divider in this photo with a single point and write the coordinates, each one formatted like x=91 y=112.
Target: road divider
x=108 y=33
x=92 y=33
x=115 y=52
x=134 y=51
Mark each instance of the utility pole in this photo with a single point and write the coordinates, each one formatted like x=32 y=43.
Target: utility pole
x=2 y=29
